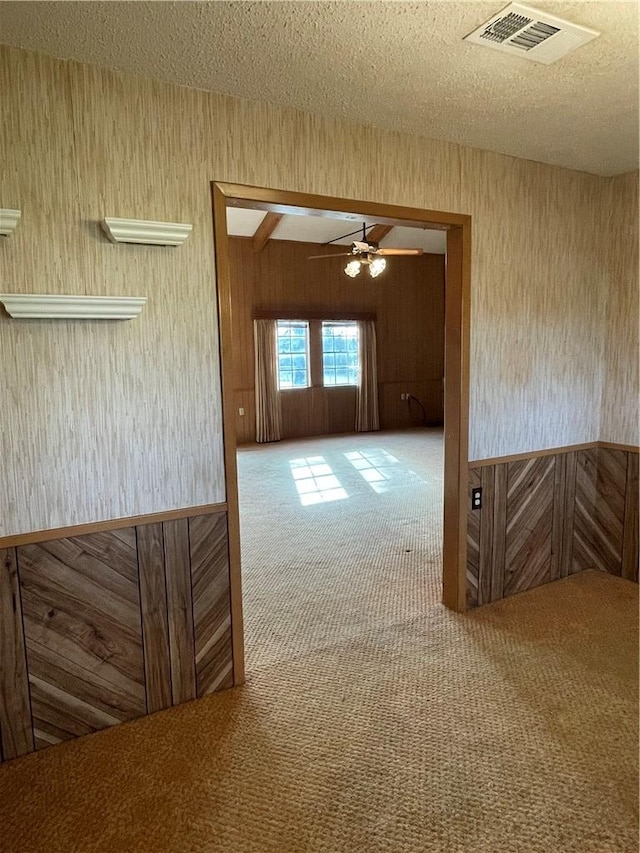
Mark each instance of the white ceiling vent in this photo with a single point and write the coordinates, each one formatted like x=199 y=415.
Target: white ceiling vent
x=531 y=34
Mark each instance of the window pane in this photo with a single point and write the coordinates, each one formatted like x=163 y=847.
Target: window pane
x=293 y=354
x=340 y=360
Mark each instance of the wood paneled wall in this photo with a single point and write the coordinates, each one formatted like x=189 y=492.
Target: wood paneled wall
x=547 y=517
x=106 y=627
x=408 y=301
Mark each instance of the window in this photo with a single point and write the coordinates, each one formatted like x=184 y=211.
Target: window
x=340 y=359
x=293 y=354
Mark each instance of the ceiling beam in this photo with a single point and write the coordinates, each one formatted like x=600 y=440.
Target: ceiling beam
x=265 y=230
x=378 y=233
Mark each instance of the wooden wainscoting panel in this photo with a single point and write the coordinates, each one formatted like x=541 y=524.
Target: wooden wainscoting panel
x=180 y=610
x=557 y=525
x=601 y=477
x=568 y=530
x=492 y=523
x=565 y=513
x=610 y=502
x=473 y=541
x=630 y=556
x=108 y=626
x=81 y=609
x=155 y=623
x=16 y=733
x=488 y=479
x=209 y=549
x=498 y=551
x=564 y=495
x=529 y=524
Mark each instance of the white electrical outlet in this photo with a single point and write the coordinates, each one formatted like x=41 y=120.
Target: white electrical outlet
x=241 y=411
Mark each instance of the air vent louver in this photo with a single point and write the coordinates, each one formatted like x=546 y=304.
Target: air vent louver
x=530 y=33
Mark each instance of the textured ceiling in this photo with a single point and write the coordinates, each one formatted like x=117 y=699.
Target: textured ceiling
x=391 y=64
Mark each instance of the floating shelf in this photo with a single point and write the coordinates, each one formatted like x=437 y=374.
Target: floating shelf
x=9 y=220
x=33 y=306
x=140 y=231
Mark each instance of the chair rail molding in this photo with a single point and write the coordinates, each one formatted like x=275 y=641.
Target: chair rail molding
x=146 y=231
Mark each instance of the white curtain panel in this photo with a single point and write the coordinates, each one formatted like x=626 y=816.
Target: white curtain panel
x=367 y=418
x=268 y=410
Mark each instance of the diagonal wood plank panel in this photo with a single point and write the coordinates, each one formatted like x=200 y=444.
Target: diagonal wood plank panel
x=155 y=619
x=485 y=565
x=179 y=610
x=558 y=524
x=16 y=736
x=565 y=512
x=529 y=523
x=601 y=476
x=100 y=628
x=569 y=512
x=498 y=554
x=210 y=580
x=83 y=634
x=630 y=554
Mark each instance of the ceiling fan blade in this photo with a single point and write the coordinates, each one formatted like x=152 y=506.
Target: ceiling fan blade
x=332 y=255
x=399 y=251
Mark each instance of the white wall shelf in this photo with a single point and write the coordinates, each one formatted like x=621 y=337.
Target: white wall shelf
x=141 y=231
x=31 y=306
x=9 y=220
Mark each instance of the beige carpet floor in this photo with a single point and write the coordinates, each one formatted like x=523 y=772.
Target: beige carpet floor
x=392 y=726
x=340 y=536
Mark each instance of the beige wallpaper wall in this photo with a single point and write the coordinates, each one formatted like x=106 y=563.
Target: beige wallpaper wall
x=619 y=420
x=108 y=420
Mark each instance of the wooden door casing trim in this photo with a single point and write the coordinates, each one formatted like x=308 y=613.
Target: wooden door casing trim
x=457 y=335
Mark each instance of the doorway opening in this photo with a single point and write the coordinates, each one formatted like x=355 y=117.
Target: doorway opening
x=368 y=461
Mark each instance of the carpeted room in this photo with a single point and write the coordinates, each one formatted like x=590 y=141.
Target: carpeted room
x=511 y=728
x=384 y=721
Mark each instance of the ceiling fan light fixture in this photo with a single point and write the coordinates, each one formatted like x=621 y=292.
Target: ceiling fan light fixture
x=352 y=269
x=377 y=266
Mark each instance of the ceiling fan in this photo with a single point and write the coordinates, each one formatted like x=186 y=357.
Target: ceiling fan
x=365 y=254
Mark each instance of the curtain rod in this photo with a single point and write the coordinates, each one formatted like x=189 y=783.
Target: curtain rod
x=305 y=314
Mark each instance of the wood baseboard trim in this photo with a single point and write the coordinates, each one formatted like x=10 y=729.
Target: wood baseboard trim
x=19 y=539
x=552 y=451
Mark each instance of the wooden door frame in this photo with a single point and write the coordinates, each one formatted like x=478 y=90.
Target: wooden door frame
x=456 y=385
